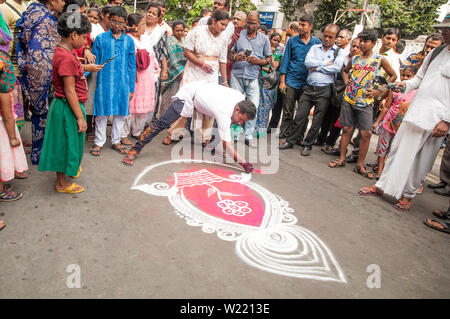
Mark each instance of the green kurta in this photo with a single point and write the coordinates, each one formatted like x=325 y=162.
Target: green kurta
x=63 y=146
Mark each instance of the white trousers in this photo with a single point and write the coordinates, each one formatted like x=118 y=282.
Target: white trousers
x=135 y=123
x=412 y=155
x=101 y=123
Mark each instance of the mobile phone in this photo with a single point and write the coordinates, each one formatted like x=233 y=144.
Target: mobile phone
x=248 y=52
x=109 y=60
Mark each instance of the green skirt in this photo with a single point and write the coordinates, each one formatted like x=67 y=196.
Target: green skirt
x=63 y=146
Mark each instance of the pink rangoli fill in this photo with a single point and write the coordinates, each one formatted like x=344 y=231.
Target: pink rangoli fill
x=214 y=193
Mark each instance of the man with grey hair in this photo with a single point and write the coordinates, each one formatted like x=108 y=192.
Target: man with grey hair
x=293 y=29
x=343 y=43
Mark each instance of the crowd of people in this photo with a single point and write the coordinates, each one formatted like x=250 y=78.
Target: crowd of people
x=73 y=68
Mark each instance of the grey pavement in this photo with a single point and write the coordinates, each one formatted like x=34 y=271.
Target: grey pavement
x=129 y=244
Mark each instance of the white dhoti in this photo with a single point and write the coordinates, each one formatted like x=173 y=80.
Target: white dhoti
x=412 y=155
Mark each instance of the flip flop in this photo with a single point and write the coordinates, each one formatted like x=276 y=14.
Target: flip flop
x=20 y=175
x=402 y=206
x=130 y=157
x=366 y=174
x=9 y=196
x=79 y=172
x=445 y=228
x=368 y=191
x=119 y=148
x=95 y=152
x=70 y=189
x=167 y=140
x=125 y=141
x=335 y=164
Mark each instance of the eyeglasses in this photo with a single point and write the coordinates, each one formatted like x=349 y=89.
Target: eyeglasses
x=120 y=24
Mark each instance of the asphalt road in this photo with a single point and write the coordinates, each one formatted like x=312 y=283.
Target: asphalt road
x=126 y=243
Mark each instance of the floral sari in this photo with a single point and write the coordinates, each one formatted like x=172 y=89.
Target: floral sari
x=176 y=61
x=37 y=40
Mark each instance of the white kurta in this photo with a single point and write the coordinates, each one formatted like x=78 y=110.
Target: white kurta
x=432 y=101
x=414 y=150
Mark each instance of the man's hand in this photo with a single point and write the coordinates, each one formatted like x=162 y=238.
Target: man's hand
x=82 y=126
x=282 y=87
x=440 y=129
x=248 y=168
x=313 y=69
x=253 y=60
x=240 y=57
x=92 y=67
x=164 y=75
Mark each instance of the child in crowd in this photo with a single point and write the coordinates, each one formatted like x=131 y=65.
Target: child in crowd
x=115 y=83
x=391 y=116
x=63 y=146
x=93 y=15
x=143 y=102
x=12 y=156
x=358 y=103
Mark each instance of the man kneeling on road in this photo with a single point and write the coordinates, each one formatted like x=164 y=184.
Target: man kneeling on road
x=226 y=105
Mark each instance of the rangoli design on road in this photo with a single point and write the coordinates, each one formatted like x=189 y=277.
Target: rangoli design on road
x=261 y=223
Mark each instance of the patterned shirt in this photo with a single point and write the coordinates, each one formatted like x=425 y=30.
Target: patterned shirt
x=363 y=73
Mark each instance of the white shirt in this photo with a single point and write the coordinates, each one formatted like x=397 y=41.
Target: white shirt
x=212 y=100
x=432 y=101
x=394 y=62
x=96 y=30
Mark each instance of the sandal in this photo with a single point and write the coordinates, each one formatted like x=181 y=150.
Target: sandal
x=119 y=148
x=366 y=174
x=335 y=164
x=167 y=140
x=95 y=150
x=128 y=159
x=72 y=189
x=402 y=206
x=369 y=191
x=377 y=177
x=7 y=187
x=26 y=143
x=20 y=175
x=445 y=228
x=9 y=196
x=125 y=141
x=440 y=214
x=2 y=224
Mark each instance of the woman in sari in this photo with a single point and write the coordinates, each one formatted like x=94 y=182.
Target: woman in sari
x=37 y=40
x=156 y=36
x=267 y=98
x=176 y=62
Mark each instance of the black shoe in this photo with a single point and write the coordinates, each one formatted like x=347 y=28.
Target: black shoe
x=285 y=146
x=351 y=159
x=443 y=191
x=441 y=184
x=306 y=150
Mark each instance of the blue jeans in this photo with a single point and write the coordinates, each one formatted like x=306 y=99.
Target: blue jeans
x=251 y=90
